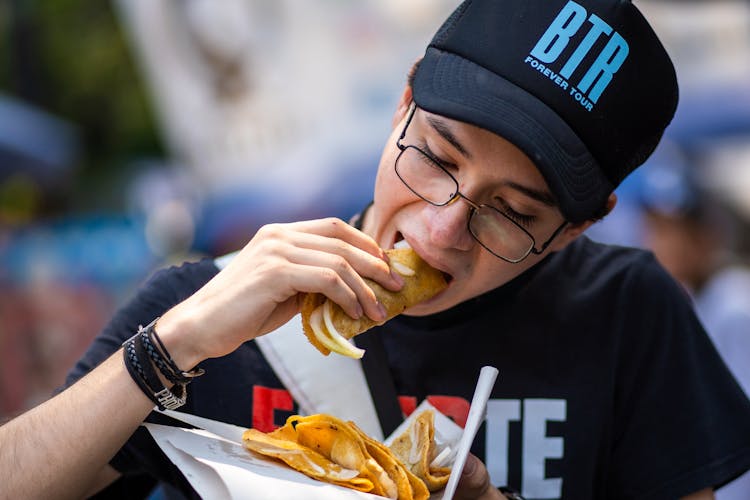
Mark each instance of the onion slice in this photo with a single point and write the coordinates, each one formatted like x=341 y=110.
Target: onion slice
x=442 y=458
x=345 y=347
x=316 y=323
x=402 y=269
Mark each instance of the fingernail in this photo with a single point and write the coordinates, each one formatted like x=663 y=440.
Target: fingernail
x=381 y=311
x=397 y=278
x=469 y=467
x=359 y=311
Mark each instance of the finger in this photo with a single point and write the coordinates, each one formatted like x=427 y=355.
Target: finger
x=338 y=229
x=363 y=262
x=319 y=243
x=364 y=296
x=317 y=279
x=474 y=481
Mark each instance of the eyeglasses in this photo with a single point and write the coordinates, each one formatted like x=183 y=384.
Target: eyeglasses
x=494 y=230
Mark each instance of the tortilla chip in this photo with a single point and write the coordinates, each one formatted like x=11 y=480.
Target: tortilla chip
x=416 y=449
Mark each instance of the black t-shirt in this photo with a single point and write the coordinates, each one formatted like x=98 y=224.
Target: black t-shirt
x=608 y=386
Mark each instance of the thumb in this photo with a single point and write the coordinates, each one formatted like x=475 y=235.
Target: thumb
x=475 y=481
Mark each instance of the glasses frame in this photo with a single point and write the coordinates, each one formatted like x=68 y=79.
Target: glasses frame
x=474 y=207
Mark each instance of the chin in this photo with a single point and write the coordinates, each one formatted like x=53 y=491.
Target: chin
x=434 y=305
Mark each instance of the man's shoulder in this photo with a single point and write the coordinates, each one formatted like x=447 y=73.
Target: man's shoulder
x=598 y=263
x=603 y=280
x=184 y=277
x=586 y=249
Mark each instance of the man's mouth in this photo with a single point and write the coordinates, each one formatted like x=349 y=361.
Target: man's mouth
x=402 y=243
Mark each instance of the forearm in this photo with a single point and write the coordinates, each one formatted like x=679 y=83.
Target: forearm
x=58 y=448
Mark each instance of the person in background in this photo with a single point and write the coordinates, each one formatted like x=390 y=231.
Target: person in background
x=506 y=144
x=690 y=228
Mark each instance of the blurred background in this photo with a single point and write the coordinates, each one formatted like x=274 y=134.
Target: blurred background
x=135 y=134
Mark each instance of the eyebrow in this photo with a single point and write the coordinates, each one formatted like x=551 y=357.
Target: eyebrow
x=446 y=133
x=536 y=194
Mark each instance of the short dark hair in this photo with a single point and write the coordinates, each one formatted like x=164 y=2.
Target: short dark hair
x=413 y=72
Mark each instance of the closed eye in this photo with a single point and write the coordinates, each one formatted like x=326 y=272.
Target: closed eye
x=524 y=220
x=440 y=161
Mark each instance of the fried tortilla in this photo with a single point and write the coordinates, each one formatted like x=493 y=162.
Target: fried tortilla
x=409 y=486
x=329 y=449
x=305 y=460
x=416 y=449
x=329 y=328
x=335 y=439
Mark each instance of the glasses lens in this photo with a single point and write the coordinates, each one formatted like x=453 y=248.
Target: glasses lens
x=425 y=177
x=500 y=235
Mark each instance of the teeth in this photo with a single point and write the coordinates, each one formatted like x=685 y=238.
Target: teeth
x=401 y=244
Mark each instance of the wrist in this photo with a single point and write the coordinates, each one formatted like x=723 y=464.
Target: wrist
x=178 y=333
x=153 y=369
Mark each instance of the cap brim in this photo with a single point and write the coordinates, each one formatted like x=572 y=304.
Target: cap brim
x=454 y=87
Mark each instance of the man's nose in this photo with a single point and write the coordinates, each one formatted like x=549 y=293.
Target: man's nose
x=448 y=225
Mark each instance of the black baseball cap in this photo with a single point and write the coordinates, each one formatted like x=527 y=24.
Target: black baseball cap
x=583 y=87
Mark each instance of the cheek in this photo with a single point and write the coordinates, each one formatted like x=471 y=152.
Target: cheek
x=389 y=190
x=389 y=196
x=382 y=179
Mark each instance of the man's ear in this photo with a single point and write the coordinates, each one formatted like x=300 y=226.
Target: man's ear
x=403 y=106
x=573 y=231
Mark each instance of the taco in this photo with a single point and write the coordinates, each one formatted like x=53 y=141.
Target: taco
x=416 y=449
x=328 y=449
x=329 y=328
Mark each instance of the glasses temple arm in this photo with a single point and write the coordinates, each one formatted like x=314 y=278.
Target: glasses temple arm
x=406 y=125
x=549 y=241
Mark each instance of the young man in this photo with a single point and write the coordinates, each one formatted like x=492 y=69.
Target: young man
x=519 y=122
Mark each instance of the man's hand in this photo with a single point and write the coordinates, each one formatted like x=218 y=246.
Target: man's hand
x=259 y=290
x=475 y=482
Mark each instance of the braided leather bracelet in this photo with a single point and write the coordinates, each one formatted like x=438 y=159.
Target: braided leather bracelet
x=168 y=398
x=135 y=369
x=141 y=356
x=142 y=372
x=164 y=362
